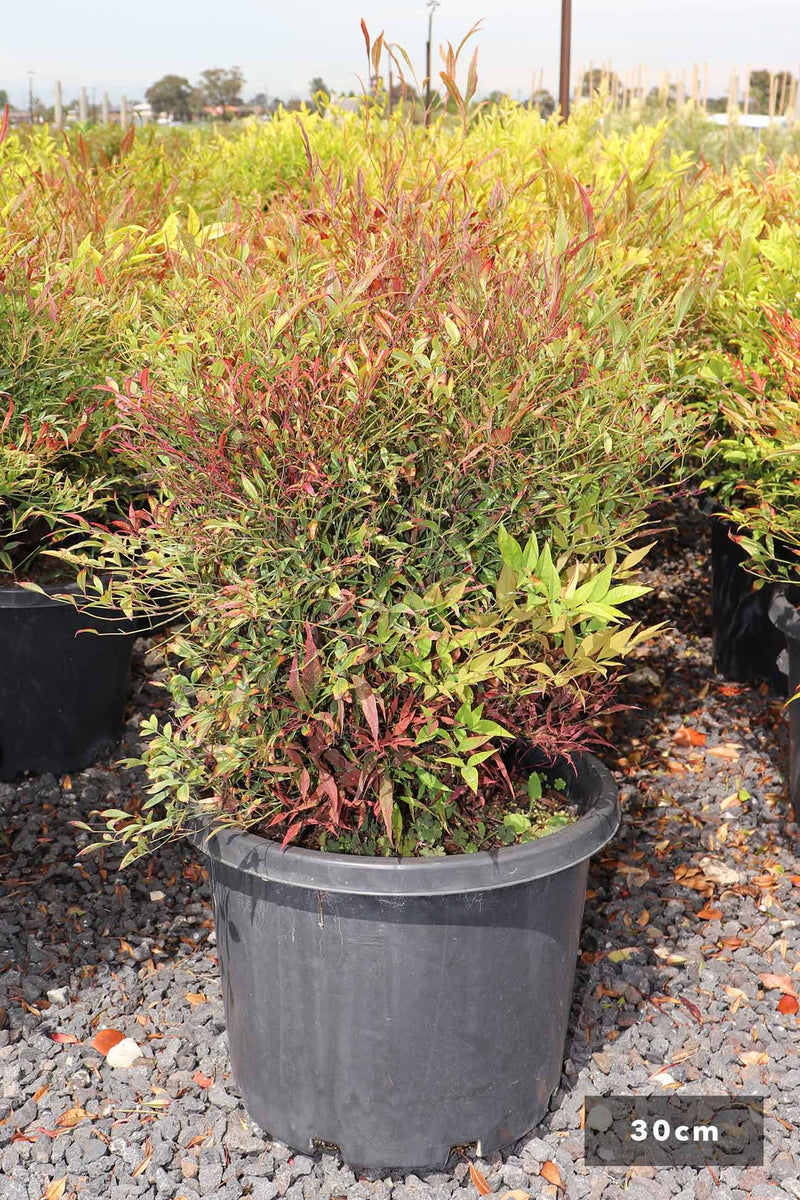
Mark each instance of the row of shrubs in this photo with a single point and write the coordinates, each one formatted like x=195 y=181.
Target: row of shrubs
x=374 y=418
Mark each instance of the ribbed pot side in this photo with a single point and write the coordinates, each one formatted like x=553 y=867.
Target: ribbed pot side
x=396 y=1008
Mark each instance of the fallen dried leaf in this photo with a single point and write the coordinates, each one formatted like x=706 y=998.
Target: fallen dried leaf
x=688 y=737
x=40 y=1092
x=478 y=1179
x=643 y=918
x=737 y=995
x=65 y=1039
x=718 y=872
x=551 y=1173
x=56 y=1189
x=674 y=960
x=788 y=1005
x=517 y=1194
x=784 y=982
x=728 y=750
x=144 y=1163
x=104 y=1039
x=195 y=998
x=709 y=914
x=74 y=1116
x=202 y=1080
x=753 y=1058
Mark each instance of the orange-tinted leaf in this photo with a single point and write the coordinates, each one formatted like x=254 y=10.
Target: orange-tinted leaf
x=202 y=1080
x=479 y=1180
x=688 y=737
x=66 y=1039
x=753 y=1058
x=195 y=998
x=104 y=1039
x=709 y=914
x=788 y=1004
x=40 y=1092
x=551 y=1173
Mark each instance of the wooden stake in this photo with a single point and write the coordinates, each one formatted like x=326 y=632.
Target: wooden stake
x=772 y=91
x=104 y=110
x=695 y=84
x=705 y=87
x=746 y=98
x=83 y=106
x=58 y=110
x=123 y=113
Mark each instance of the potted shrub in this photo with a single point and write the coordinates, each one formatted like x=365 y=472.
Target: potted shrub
x=400 y=506
x=747 y=247
x=764 y=413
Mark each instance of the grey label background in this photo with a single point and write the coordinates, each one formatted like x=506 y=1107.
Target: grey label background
x=739 y=1120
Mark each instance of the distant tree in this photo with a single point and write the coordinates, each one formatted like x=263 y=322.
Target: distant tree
x=496 y=97
x=171 y=94
x=759 y=89
x=260 y=100
x=543 y=100
x=293 y=105
x=320 y=93
x=3 y=97
x=220 y=87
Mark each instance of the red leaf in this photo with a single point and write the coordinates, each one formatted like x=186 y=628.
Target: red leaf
x=788 y=1004
x=202 y=1080
x=369 y=705
x=66 y=1039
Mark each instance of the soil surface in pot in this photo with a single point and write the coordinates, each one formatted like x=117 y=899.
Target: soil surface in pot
x=691 y=914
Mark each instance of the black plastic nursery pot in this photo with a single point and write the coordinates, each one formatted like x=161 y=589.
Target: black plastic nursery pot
x=62 y=691
x=746 y=643
x=786 y=619
x=396 y=1008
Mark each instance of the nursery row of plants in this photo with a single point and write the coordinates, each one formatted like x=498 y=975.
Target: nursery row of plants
x=371 y=420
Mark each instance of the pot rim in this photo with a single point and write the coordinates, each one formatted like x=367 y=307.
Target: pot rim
x=14 y=595
x=323 y=871
x=784 y=615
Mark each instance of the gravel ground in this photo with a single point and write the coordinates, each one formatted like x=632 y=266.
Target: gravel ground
x=687 y=908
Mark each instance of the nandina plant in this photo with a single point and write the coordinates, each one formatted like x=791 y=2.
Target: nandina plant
x=401 y=512
x=759 y=475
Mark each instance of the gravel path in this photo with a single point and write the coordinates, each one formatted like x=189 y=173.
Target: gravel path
x=690 y=904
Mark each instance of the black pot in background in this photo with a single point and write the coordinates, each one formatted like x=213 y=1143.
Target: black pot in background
x=398 y=1007
x=746 y=643
x=786 y=618
x=62 y=692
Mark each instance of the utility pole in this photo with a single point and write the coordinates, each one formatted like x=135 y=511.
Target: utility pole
x=566 y=41
x=58 y=110
x=432 y=6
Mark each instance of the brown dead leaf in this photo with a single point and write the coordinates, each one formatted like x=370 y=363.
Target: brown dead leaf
x=737 y=995
x=55 y=1190
x=784 y=982
x=551 y=1173
x=730 y=689
x=788 y=1005
x=104 y=1039
x=41 y=1092
x=517 y=1194
x=202 y=1080
x=728 y=750
x=753 y=1058
x=74 y=1116
x=643 y=918
x=196 y=998
x=199 y=1138
x=142 y=1166
x=479 y=1180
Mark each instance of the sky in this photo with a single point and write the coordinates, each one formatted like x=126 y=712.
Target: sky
x=122 y=46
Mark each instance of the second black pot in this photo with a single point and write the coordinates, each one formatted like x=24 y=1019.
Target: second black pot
x=786 y=619
x=398 y=1007
x=746 y=643
x=62 y=691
